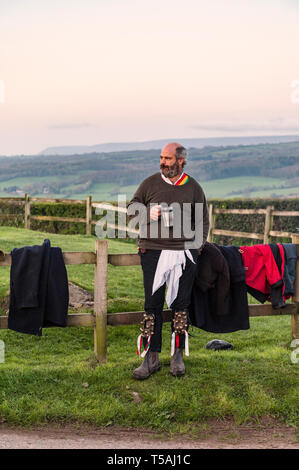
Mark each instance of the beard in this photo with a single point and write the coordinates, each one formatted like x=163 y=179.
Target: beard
x=171 y=171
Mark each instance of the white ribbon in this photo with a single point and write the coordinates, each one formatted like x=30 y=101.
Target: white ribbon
x=138 y=344
x=186 y=343
x=147 y=347
x=169 y=269
x=172 y=344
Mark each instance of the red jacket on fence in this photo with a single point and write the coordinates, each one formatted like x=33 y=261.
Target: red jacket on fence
x=261 y=270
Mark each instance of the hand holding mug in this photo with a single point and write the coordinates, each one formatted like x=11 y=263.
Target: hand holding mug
x=155 y=212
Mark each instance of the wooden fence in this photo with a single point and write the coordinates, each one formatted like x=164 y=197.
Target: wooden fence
x=27 y=202
x=100 y=319
x=269 y=213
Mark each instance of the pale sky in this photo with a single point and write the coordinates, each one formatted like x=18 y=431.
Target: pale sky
x=92 y=71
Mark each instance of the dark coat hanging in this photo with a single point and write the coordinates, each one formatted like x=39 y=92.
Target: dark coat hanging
x=225 y=280
x=39 y=293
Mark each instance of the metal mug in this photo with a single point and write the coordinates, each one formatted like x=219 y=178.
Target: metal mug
x=167 y=216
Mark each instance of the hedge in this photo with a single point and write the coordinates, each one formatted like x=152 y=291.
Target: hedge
x=254 y=223
x=241 y=223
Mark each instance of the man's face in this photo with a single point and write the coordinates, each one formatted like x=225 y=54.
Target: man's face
x=169 y=165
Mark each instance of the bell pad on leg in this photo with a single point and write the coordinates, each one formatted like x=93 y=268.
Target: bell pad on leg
x=180 y=322
x=148 y=324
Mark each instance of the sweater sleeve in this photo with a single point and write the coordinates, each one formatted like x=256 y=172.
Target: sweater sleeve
x=139 y=203
x=139 y=195
x=201 y=198
x=206 y=222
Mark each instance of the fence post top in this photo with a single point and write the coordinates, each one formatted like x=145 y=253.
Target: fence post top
x=101 y=242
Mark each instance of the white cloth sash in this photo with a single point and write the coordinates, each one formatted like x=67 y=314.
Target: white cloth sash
x=169 y=269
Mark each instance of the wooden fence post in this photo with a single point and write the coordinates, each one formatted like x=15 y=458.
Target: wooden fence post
x=27 y=212
x=88 y=215
x=268 y=224
x=212 y=223
x=295 y=316
x=100 y=301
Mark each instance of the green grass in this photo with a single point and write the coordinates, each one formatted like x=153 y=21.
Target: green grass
x=222 y=188
x=41 y=378
x=22 y=181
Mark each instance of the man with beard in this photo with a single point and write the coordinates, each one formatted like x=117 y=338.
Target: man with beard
x=165 y=255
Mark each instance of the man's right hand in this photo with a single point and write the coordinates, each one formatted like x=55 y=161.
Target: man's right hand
x=155 y=212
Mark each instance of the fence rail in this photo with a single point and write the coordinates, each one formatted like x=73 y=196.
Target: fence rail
x=100 y=318
x=269 y=214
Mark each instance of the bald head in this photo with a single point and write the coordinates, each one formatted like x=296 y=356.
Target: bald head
x=172 y=159
x=171 y=148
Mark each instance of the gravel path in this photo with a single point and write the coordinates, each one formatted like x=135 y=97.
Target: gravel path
x=221 y=436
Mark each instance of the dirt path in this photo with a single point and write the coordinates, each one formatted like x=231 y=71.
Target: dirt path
x=218 y=435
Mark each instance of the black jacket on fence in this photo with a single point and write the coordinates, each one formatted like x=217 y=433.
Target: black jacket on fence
x=224 y=282
x=238 y=316
x=39 y=294
x=290 y=252
x=276 y=292
x=212 y=277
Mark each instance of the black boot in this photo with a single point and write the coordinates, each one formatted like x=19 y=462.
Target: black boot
x=177 y=367
x=150 y=365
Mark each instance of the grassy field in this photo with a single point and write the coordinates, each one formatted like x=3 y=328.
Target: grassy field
x=219 y=188
x=222 y=188
x=55 y=378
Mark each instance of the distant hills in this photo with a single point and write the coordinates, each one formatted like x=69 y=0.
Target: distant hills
x=158 y=144
x=259 y=170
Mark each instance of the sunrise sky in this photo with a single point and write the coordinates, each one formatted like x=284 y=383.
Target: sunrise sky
x=92 y=71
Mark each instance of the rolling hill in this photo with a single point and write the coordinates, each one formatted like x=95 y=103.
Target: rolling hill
x=263 y=170
x=158 y=144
